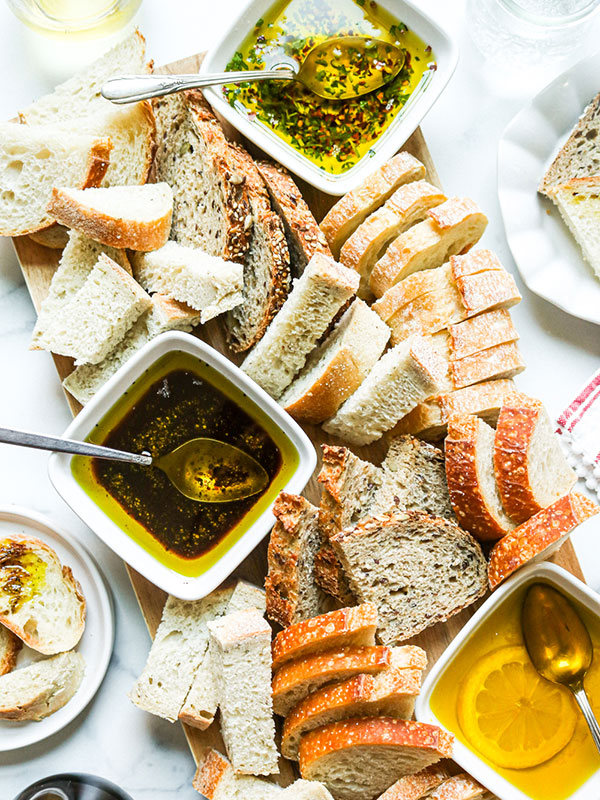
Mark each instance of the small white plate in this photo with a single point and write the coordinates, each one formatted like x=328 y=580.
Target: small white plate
x=97 y=641
x=549 y=259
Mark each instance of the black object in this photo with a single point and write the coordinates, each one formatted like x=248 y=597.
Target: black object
x=73 y=786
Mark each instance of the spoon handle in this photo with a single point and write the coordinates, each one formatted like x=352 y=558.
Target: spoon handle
x=131 y=88
x=39 y=442
x=590 y=717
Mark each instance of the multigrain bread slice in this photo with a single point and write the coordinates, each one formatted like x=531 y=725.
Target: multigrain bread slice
x=303 y=235
x=10 y=646
x=359 y=759
x=417 y=786
x=36 y=691
x=136 y=217
x=45 y=607
x=578 y=201
x=240 y=646
x=540 y=536
x=393 y=560
x=33 y=160
x=469 y=449
x=355 y=206
x=336 y=368
x=314 y=301
x=531 y=469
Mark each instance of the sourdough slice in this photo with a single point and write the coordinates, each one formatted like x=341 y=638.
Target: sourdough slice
x=478 y=333
x=240 y=646
x=306 y=314
x=500 y=361
x=461 y=787
x=342 y=628
x=33 y=160
x=355 y=206
x=402 y=378
x=36 y=691
x=579 y=157
x=336 y=368
x=9 y=650
x=578 y=201
x=416 y=568
x=207 y=283
x=292 y=594
x=451 y=228
x=303 y=235
x=216 y=779
x=417 y=786
x=531 y=468
x=45 y=606
x=469 y=448
x=540 y=536
x=56 y=237
x=359 y=759
x=136 y=217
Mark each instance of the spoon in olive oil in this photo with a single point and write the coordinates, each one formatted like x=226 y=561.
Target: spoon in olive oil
x=337 y=69
x=203 y=469
x=559 y=645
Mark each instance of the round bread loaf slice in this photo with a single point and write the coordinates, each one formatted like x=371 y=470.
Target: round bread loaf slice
x=9 y=649
x=40 y=600
x=417 y=786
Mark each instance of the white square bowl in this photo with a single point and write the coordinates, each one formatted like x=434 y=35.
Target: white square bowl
x=59 y=468
x=467 y=758
x=444 y=51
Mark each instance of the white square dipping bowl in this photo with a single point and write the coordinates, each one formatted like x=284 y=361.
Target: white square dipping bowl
x=408 y=119
x=59 y=468
x=467 y=758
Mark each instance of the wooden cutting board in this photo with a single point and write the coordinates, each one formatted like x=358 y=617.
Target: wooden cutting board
x=39 y=263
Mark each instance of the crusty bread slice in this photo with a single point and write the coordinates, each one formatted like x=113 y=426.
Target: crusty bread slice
x=402 y=378
x=216 y=779
x=461 y=787
x=344 y=627
x=56 y=237
x=497 y=361
x=314 y=301
x=36 y=691
x=9 y=650
x=479 y=333
x=355 y=206
x=393 y=560
x=469 y=448
x=247 y=595
x=531 y=469
x=33 y=160
x=359 y=759
x=336 y=368
x=578 y=201
x=136 y=217
x=417 y=786
x=240 y=646
x=540 y=536
x=45 y=607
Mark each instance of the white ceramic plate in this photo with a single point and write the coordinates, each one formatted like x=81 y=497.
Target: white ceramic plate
x=548 y=257
x=95 y=645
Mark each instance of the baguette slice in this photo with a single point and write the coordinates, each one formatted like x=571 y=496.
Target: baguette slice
x=417 y=786
x=136 y=217
x=9 y=650
x=531 y=468
x=578 y=201
x=540 y=536
x=45 y=606
x=306 y=314
x=36 y=691
x=336 y=368
x=500 y=361
x=469 y=449
x=359 y=759
x=342 y=628
x=355 y=206
x=461 y=787
x=33 y=160
x=478 y=333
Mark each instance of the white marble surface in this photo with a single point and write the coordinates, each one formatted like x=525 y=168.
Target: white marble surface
x=144 y=754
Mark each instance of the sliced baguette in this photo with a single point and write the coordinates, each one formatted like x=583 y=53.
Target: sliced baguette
x=306 y=314
x=578 y=201
x=540 y=536
x=478 y=333
x=336 y=368
x=46 y=607
x=355 y=206
x=461 y=787
x=417 y=786
x=136 y=217
x=500 y=361
x=10 y=646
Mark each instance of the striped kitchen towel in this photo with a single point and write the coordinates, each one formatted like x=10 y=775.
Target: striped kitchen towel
x=579 y=428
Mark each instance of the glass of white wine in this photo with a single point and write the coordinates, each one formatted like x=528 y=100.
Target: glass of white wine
x=75 y=18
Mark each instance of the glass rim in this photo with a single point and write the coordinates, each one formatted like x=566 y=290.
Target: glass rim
x=513 y=7
x=33 y=12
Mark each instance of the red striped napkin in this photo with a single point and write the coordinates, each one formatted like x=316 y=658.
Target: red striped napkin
x=579 y=428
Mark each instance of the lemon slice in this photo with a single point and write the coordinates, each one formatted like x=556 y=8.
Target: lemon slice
x=510 y=714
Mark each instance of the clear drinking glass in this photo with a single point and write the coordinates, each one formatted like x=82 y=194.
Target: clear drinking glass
x=79 y=18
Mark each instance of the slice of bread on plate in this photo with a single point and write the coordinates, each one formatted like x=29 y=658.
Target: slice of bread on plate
x=135 y=217
x=40 y=600
x=578 y=201
x=355 y=206
x=540 y=536
x=417 y=786
x=359 y=759
x=9 y=650
x=337 y=367
x=36 y=691
x=417 y=569
x=314 y=301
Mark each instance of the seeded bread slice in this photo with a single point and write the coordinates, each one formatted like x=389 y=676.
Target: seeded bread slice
x=417 y=786
x=578 y=201
x=9 y=650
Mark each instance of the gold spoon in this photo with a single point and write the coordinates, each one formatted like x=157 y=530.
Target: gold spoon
x=202 y=469
x=337 y=69
x=559 y=645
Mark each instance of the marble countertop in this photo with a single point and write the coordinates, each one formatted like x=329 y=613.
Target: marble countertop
x=144 y=754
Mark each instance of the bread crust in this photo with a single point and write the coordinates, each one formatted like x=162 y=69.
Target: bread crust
x=10 y=645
